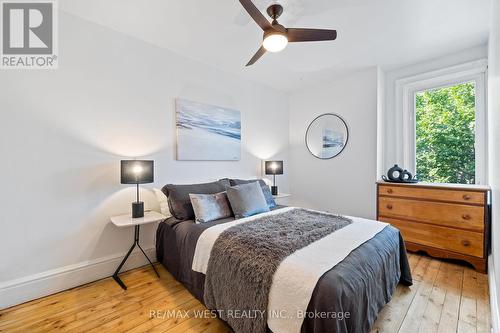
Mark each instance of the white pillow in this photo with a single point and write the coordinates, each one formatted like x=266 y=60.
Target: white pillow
x=163 y=201
x=267 y=181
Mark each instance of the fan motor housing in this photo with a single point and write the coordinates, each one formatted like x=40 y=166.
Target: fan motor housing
x=275 y=11
x=275 y=32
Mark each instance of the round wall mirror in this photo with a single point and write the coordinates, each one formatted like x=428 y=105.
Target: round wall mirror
x=327 y=136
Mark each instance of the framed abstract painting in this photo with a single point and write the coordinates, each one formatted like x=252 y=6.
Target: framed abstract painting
x=206 y=132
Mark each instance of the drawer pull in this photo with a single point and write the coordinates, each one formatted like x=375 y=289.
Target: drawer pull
x=466 y=197
x=389 y=206
x=466 y=217
x=465 y=243
x=389 y=190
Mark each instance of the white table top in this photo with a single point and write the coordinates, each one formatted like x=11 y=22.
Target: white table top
x=282 y=195
x=127 y=220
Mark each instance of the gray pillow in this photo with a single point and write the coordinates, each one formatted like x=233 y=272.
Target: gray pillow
x=210 y=207
x=179 y=202
x=265 y=189
x=247 y=200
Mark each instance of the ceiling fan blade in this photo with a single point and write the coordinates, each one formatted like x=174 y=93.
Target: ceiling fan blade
x=257 y=56
x=310 y=35
x=255 y=13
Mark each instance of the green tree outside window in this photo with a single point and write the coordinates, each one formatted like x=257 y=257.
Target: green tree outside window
x=445 y=134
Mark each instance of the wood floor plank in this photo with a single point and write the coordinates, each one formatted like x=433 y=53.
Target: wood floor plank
x=433 y=310
x=483 y=304
x=421 y=268
x=413 y=260
x=130 y=319
x=452 y=282
x=445 y=297
x=392 y=315
x=414 y=316
x=467 y=320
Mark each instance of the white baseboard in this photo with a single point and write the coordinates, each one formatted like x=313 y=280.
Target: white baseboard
x=495 y=314
x=31 y=287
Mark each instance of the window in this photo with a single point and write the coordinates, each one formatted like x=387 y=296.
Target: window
x=444 y=124
x=445 y=121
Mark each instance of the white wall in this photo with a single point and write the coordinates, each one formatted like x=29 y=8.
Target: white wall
x=63 y=133
x=346 y=183
x=391 y=148
x=494 y=154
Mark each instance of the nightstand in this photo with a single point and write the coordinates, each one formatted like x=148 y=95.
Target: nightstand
x=282 y=195
x=127 y=221
x=282 y=199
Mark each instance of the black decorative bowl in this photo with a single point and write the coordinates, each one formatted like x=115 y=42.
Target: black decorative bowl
x=399 y=181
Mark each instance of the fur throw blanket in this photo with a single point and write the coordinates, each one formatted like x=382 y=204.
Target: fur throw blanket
x=245 y=257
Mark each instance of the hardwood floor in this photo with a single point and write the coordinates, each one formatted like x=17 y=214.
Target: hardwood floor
x=445 y=297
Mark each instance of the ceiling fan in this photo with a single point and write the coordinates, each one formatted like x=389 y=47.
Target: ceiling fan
x=276 y=37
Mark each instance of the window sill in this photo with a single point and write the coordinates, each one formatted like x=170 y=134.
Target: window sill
x=442 y=185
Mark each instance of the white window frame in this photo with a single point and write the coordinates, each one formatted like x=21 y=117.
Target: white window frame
x=473 y=71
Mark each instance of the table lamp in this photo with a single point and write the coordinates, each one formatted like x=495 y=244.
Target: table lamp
x=274 y=168
x=137 y=172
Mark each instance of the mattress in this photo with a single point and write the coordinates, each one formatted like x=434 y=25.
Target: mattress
x=359 y=286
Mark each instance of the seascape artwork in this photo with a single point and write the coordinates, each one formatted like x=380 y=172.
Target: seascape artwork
x=207 y=132
x=333 y=142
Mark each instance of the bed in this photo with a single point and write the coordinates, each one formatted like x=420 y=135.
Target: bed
x=345 y=297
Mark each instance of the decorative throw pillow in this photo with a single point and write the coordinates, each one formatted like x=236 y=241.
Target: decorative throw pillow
x=265 y=189
x=210 y=207
x=163 y=201
x=179 y=202
x=247 y=200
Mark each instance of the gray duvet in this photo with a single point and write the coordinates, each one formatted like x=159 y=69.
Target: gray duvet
x=358 y=287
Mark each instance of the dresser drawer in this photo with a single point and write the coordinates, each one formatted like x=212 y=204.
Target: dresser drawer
x=438 y=213
x=467 y=197
x=460 y=241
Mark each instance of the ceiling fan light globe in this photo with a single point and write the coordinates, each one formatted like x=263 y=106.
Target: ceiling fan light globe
x=275 y=42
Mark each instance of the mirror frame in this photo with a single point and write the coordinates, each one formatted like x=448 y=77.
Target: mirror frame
x=346 y=141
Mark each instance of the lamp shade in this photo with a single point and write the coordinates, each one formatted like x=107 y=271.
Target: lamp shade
x=137 y=172
x=274 y=167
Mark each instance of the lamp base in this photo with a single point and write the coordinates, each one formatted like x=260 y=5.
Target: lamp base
x=274 y=190
x=137 y=209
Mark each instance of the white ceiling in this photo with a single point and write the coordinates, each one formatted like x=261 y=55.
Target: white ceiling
x=389 y=33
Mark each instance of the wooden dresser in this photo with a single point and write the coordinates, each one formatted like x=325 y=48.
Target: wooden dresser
x=443 y=220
